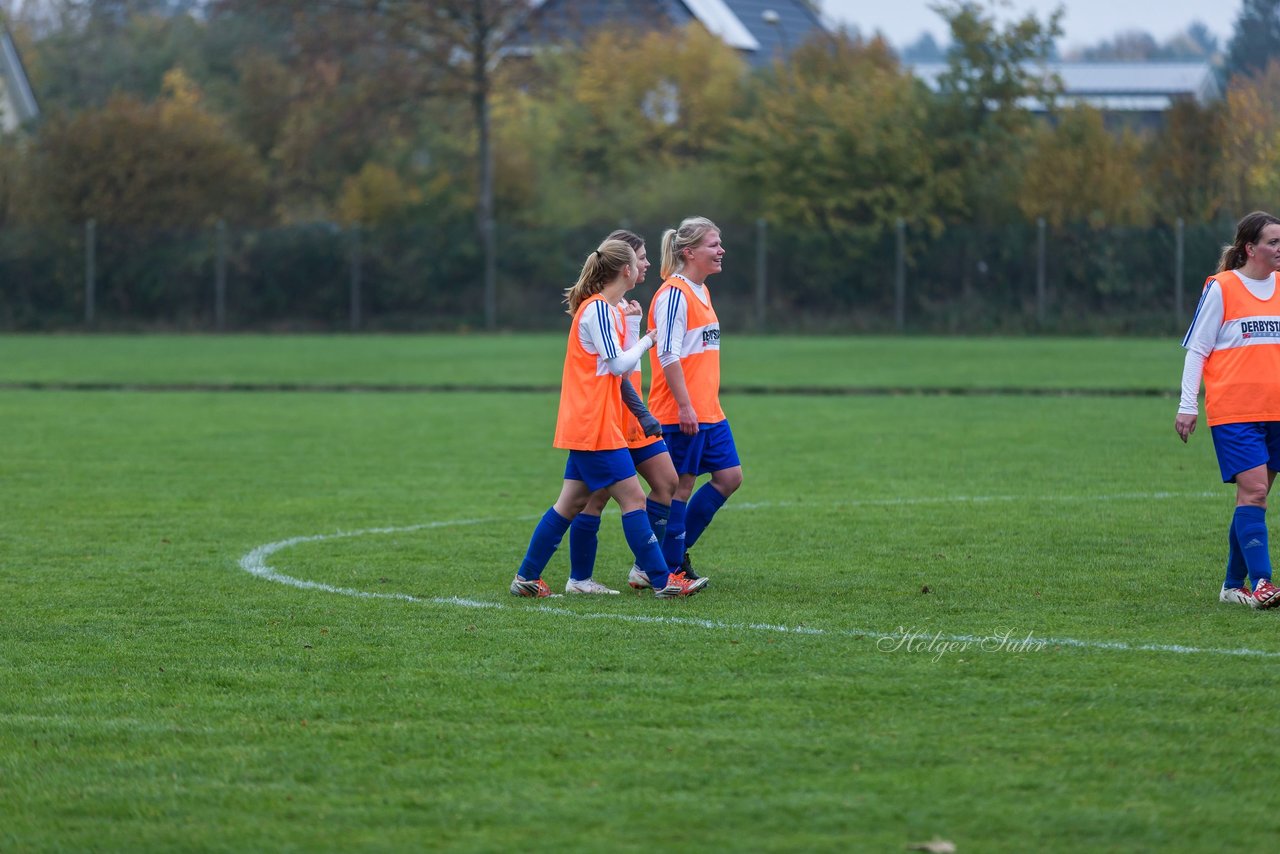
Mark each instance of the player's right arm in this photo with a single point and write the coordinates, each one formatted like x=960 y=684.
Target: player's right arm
x=1199 y=342
x=671 y=318
x=599 y=335
x=675 y=381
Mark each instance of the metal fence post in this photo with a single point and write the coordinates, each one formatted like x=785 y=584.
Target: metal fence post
x=900 y=277
x=1178 y=271
x=489 y=241
x=1041 y=298
x=355 y=278
x=762 y=233
x=220 y=277
x=90 y=273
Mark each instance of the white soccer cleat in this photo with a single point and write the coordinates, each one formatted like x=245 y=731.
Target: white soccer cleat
x=638 y=578
x=588 y=585
x=1236 y=596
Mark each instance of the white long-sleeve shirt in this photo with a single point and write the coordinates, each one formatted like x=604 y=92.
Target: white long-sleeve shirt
x=1202 y=337
x=598 y=334
x=671 y=319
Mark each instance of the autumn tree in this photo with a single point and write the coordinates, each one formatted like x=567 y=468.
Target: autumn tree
x=1077 y=171
x=87 y=51
x=169 y=163
x=994 y=71
x=1184 y=162
x=838 y=142
x=1250 y=136
x=12 y=167
x=608 y=122
x=376 y=195
x=414 y=50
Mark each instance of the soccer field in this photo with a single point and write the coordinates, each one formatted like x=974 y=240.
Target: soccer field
x=279 y=620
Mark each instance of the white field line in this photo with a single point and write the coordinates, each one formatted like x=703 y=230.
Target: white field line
x=255 y=563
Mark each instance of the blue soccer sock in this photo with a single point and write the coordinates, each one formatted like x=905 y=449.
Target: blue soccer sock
x=658 y=515
x=645 y=546
x=542 y=545
x=673 y=545
x=583 y=541
x=1236 y=568
x=1250 y=524
x=704 y=504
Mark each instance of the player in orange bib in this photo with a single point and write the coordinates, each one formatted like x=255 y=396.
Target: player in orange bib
x=685 y=391
x=1234 y=341
x=648 y=451
x=588 y=426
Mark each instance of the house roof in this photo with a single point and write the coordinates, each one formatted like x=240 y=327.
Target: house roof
x=1116 y=86
x=720 y=20
x=15 y=90
x=780 y=26
x=762 y=29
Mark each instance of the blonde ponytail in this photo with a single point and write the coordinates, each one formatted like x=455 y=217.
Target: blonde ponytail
x=601 y=267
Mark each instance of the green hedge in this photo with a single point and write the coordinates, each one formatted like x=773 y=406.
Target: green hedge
x=429 y=277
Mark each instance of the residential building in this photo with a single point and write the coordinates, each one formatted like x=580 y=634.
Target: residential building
x=17 y=103
x=761 y=30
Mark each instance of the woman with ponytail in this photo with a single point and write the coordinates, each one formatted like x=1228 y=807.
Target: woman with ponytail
x=588 y=425
x=1234 y=342
x=644 y=442
x=685 y=391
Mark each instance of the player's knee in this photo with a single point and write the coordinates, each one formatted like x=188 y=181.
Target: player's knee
x=595 y=504
x=570 y=506
x=663 y=489
x=728 y=481
x=1252 y=497
x=1252 y=491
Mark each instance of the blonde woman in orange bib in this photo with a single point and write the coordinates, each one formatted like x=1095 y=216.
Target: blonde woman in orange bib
x=1234 y=343
x=685 y=391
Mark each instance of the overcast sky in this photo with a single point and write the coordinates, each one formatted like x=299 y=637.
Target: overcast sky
x=1085 y=22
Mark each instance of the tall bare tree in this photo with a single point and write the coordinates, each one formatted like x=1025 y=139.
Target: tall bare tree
x=472 y=34
x=434 y=48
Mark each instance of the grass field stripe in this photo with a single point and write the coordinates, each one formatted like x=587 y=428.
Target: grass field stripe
x=264 y=387
x=1118 y=646
x=255 y=563
x=693 y=622
x=976 y=499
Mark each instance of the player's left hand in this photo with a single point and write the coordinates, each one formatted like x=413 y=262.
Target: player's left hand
x=631 y=308
x=1185 y=425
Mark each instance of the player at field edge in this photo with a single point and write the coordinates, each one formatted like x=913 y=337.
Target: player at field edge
x=1234 y=342
x=587 y=425
x=684 y=393
x=648 y=452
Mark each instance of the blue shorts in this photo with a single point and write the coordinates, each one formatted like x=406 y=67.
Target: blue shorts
x=598 y=469
x=710 y=449
x=639 y=455
x=1247 y=445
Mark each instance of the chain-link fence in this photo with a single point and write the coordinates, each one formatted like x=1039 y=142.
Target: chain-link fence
x=1018 y=278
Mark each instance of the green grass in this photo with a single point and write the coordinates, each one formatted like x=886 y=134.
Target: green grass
x=156 y=696
x=524 y=360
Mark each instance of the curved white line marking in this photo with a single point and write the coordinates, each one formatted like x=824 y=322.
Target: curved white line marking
x=255 y=563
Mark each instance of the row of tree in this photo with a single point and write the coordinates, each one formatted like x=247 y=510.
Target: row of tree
x=1196 y=43
x=170 y=114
